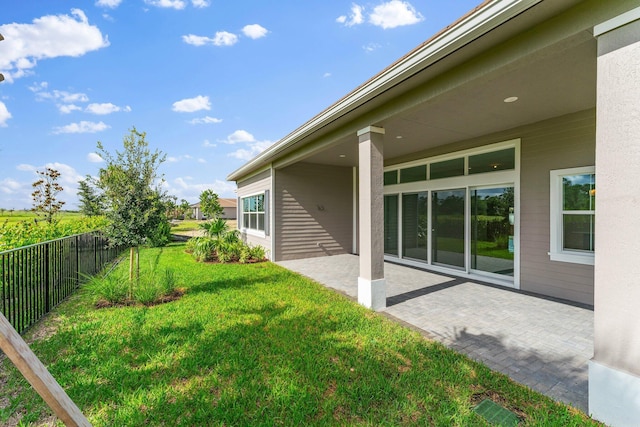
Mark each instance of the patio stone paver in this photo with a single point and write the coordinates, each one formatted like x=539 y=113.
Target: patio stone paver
x=541 y=343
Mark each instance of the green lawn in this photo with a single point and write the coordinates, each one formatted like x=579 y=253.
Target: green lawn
x=258 y=345
x=17 y=216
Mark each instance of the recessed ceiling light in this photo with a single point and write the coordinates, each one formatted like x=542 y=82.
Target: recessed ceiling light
x=399 y=137
x=343 y=155
x=511 y=99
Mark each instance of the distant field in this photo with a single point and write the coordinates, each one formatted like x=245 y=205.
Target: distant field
x=17 y=216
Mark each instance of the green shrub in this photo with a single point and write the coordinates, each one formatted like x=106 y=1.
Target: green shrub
x=112 y=288
x=205 y=249
x=161 y=235
x=257 y=253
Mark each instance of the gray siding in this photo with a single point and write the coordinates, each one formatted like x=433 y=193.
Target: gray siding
x=313 y=211
x=558 y=143
x=256 y=184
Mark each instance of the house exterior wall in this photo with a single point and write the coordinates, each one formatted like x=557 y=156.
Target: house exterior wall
x=258 y=183
x=614 y=372
x=558 y=143
x=229 y=213
x=313 y=211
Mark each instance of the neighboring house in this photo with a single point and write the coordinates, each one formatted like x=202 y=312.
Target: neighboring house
x=229 y=209
x=475 y=154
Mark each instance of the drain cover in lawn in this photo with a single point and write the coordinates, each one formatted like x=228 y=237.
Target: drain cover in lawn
x=496 y=414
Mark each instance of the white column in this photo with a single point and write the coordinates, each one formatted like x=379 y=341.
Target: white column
x=614 y=371
x=371 y=283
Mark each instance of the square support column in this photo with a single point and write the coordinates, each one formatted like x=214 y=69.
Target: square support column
x=371 y=282
x=614 y=371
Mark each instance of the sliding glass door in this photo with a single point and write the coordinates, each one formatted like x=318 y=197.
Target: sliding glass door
x=492 y=230
x=448 y=224
x=414 y=226
x=391 y=224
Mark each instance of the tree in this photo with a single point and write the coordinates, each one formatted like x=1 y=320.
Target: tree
x=44 y=195
x=91 y=201
x=135 y=205
x=209 y=204
x=184 y=208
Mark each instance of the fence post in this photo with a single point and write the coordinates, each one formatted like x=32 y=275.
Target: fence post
x=77 y=261
x=47 y=279
x=12 y=344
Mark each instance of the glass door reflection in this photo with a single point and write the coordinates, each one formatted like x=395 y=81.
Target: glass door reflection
x=492 y=218
x=447 y=233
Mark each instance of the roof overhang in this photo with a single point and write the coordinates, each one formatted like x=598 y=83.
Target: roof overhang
x=486 y=17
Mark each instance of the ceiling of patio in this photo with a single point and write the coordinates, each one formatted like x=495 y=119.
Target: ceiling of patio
x=561 y=82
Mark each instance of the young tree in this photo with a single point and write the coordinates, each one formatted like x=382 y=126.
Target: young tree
x=184 y=208
x=44 y=195
x=91 y=201
x=209 y=204
x=134 y=200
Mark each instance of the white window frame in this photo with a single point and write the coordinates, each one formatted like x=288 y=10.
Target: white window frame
x=556 y=250
x=245 y=227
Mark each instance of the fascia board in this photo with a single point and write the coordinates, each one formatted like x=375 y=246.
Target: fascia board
x=463 y=32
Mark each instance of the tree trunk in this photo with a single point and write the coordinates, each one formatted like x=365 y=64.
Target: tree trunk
x=131 y=256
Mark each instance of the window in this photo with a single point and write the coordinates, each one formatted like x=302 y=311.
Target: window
x=573 y=194
x=253 y=209
x=447 y=168
x=416 y=173
x=391 y=177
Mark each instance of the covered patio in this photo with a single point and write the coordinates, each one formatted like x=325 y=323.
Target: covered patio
x=540 y=342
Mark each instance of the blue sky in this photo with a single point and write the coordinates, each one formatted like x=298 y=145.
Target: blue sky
x=211 y=82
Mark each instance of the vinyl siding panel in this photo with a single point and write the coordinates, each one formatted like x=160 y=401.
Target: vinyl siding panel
x=256 y=184
x=313 y=211
x=558 y=143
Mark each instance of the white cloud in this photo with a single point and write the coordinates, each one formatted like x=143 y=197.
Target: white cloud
x=4 y=114
x=201 y=160
x=223 y=38
x=371 y=47
x=190 y=105
x=200 y=3
x=183 y=188
x=325 y=75
x=194 y=40
x=254 y=149
x=167 y=4
x=68 y=108
x=395 y=13
x=238 y=137
x=56 y=95
x=26 y=168
x=354 y=18
x=254 y=31
x=50 y=36
x=11 y=186
x=94 y=158
x=208 y=144
x=108 y=3
x=105 y=108
x=81 y=127
x=205 y=120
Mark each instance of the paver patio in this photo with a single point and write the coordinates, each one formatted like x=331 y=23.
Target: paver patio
x=539 y=342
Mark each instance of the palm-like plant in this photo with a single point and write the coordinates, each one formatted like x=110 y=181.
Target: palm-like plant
x=215 y=228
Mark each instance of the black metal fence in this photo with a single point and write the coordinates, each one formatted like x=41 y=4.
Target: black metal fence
x=38 y=277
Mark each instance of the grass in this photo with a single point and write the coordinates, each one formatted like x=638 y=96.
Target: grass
x=258 y=345
x=17 y=216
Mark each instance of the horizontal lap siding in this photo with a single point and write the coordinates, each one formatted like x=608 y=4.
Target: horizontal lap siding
x=254 y=185
x=560 y=143
x=314 y=211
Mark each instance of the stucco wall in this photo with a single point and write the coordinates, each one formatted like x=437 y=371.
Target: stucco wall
x=257 y=184
x=313 y=211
